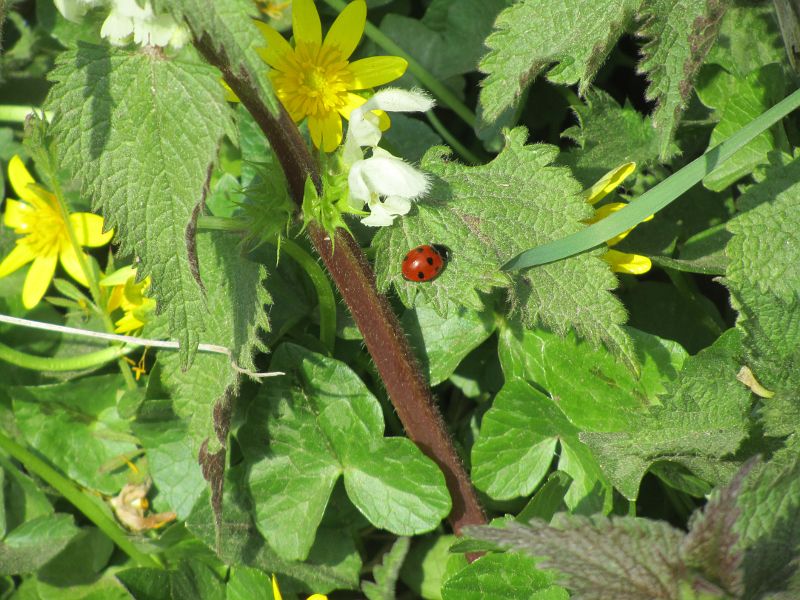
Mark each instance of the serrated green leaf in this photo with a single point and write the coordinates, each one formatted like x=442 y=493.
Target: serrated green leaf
x=321 y=422
x=517 y=442
x=32 y=544
x=386 y=573
x=700 y=424
x=680 y=33
x=487 y=214
x=737 y=101
x=623 y=557
x=608 y=135
x=442 y=343
x=140 y=133
x=333 y=562
x=47 y=415
x=533 y=34
x=503 y=576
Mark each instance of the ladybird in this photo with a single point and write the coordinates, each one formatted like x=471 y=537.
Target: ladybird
x=424 y=263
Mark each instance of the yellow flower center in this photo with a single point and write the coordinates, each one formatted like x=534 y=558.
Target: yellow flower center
x=315 y=83
x=45 y=230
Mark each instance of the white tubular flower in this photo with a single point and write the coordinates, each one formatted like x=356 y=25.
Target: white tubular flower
x=384 y=182
x=74 y=10
x=383 y=175
x=128 y=19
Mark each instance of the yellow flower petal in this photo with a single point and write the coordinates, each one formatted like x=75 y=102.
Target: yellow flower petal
x=331 y=132
x=346 y=31
x=128 y=324
x=277 y=50
x=18 y=214
x=276 y=592
x=38 y=280
x=306 y=26
x=608 y=183
x=352 y=102
x=115 y=298
x=632 y=264
x=20 y=179
x=317 y=597
x=384 y=122
x=69 y=260
x=376 y=70
x=21 y=255
x=89 y=230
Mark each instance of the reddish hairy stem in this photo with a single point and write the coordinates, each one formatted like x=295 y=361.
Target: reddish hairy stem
x=353 y=276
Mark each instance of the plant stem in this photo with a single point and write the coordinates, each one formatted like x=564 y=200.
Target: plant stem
x=424 y=76
x=12 y=113
x=322 y=285
x=353 y=276
x=71 y=363
x=451 y=140
x=91 y=507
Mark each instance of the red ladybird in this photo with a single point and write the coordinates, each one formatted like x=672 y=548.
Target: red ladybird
x=424 y=263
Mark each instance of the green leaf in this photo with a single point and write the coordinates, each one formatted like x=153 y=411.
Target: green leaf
x=245 y=583
x=426 y=566
x=607 y=136
x=533 y=34
x=599 y=558
x=35 y=542
x=768 y=526
x=764 y=280
x=47 y=415
x=106 y=588
x=442 y=343
x=680 y=33
x=86 y=555
x=322 y=422
x=548 y=500
x=332 y=563
x=737 y=101
x=517 y=442
x=486 y=215
x=701 y=422
x=146 y=584
x=195 y=579
x=386 y=573
x=141 y=133
x=504 y=576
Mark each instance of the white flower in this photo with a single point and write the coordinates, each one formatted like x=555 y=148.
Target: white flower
x=384 y=182
x=73 y=10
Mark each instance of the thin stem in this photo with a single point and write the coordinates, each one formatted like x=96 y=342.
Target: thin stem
x=322 y=285
x=71 y=363
x=383 y=336
x=11 y=113
x=91 y=507
x=451 y=140
x=424 y=76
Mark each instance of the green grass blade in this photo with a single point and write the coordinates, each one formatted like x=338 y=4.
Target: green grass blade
x=655 y=199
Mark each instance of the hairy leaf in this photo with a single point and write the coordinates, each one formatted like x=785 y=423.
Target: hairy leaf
x=386 y=573
x=32 y=544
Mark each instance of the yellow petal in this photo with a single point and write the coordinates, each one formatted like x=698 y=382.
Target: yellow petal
x=632 y=264
x=376 y=70
x=352 y=102
x=18 y=214
x=276 y=592
x=114 y=299
x=348 y=28
x=608 y=183
x=331 y=132
x=19 y=256
x=306 y=26
x=20 y=179
x=128 y=324
x=38 y=280
x=317 y=597
x=315 y=129
x=277 y=47
x=89 y=230
x=384 y=122
x=69 y=260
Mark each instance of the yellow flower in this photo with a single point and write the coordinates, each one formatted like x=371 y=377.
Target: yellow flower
x=45 y=240
x=621 y=262
x=128 y=296
x=314 y=79
x=276 y=592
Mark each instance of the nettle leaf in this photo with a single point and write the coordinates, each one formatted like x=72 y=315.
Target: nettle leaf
x=769 y=527
x=316 y=424
x=228 y=27
x=32 y=544
x=533 y=34
x=517 y=443
x=764 y=280
x=608 y=135
x=700 y=424
x=504 y=576
x=387 y=572
x=623 y=557
x=141 y=132
x=737 y=101
x=680 y=34
x=488 y=214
